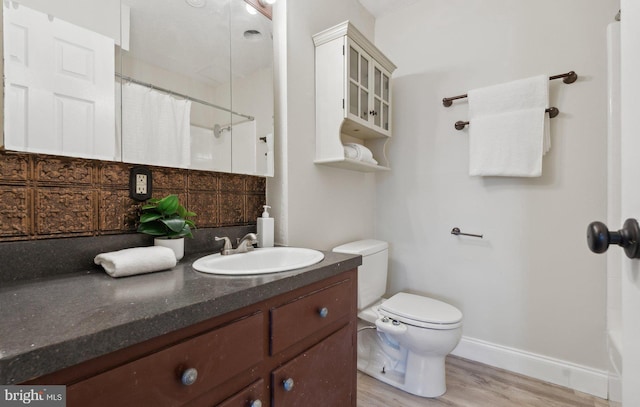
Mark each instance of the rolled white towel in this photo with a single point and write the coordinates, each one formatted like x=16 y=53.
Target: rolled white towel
x=359 y=152
x=351 y=152
x=137 y=260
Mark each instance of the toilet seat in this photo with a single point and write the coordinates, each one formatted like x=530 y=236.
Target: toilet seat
x=421 y=311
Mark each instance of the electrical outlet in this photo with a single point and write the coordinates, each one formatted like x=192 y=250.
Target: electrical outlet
x=140 y=183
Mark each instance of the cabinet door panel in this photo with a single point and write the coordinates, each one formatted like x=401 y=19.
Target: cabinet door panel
x=322 y=376
x=294 y=321
x=155 y=380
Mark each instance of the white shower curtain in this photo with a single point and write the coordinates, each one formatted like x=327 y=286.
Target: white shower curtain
x=155 y=127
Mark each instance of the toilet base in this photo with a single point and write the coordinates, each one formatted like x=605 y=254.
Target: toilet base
x=384 y=360
x=431 y=389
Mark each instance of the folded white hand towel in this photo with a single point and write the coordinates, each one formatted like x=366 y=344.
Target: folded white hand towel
x=499 y=144
x=359 y=152
x=137 y=260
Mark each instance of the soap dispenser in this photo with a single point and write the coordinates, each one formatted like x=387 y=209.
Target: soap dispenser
x=265 y=228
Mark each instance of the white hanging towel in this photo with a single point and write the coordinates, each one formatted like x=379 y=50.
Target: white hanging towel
x=509 y=129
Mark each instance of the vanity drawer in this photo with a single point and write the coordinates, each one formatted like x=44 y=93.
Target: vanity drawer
x=158 y=379
x=302 y=317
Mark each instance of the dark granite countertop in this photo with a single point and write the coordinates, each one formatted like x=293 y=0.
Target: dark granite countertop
x=54 y=322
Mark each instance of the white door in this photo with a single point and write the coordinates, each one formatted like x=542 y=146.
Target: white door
x=59 y=98
x=630 y=197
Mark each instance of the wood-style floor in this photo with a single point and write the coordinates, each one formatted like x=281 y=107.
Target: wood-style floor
x=471 y=384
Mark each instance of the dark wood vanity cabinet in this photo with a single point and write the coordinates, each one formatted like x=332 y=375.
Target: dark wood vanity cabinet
x=298 y=348
x=314 y=377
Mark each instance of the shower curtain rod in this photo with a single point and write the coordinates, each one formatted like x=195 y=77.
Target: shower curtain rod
x=569 y=77
x=553 y=112
x=180 y=95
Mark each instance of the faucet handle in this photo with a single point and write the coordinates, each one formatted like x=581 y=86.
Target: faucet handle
x=251 y=237
x=227 y=242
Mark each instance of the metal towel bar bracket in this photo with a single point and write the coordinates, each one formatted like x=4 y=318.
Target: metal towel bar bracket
x=553 y=112
x=567 y=78
x=456 y=231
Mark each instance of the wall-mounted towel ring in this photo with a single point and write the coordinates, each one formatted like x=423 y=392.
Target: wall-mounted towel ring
x=456 y=231
x=553 y=112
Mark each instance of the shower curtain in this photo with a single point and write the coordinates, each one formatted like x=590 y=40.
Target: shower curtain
x=155 y=127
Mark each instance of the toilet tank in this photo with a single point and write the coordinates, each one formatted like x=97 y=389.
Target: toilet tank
x=372 y=274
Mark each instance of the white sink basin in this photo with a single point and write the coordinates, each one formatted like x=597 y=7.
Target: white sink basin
x=259 y=261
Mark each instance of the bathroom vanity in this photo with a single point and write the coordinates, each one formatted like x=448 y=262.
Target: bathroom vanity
x=286 y=339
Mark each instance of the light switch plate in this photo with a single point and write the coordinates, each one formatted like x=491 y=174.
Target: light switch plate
x=140 y=183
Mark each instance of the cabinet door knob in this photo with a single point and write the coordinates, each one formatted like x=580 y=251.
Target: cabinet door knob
x=599 y=238
x=288 y=384
x=189 y=376
x=323 y=312
x=255 y=403
x=373 y=113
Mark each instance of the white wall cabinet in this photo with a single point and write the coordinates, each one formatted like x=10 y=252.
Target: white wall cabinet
x=353 y=98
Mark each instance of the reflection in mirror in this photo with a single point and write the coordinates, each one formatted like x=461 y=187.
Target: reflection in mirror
x=141 y=81
x=252 y=90
x=177 y=83
x=59 y=77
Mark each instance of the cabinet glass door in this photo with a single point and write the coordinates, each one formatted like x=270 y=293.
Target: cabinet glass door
x=358 y=83
x=380 y=110
x=385 y=101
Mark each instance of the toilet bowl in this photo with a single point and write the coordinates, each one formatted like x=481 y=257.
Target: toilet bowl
x=403 y=340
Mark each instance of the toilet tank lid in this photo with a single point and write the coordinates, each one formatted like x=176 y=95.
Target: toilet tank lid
x=362 y=247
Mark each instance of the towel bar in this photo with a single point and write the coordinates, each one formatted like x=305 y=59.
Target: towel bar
x=569 y=77
x=553 y=112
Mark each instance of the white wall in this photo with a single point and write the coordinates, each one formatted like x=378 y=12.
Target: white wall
x=313 y=206
x=531 y=284
x=530 y=288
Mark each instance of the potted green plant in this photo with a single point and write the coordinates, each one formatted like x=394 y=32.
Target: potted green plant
x=168 y=221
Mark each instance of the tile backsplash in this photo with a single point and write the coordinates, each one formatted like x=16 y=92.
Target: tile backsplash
x=45 y=196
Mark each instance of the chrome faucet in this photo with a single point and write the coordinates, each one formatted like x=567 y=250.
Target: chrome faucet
x=245 y=245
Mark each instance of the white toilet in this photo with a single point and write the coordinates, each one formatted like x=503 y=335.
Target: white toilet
x=402 y=341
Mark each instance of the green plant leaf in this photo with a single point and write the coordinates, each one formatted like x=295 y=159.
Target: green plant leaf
x=186 y=232
x=168 y=205
x=166 y=217
x=174 y=224
x=149 y=217
x=154 y=229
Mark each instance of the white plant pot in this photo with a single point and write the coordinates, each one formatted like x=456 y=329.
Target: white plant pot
x=177 y=245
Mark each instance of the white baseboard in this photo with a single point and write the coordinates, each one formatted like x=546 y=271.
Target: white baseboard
x=556 y=371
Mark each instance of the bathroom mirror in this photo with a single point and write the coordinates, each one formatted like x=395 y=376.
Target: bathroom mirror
x=59 y=69
x=173 y=83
